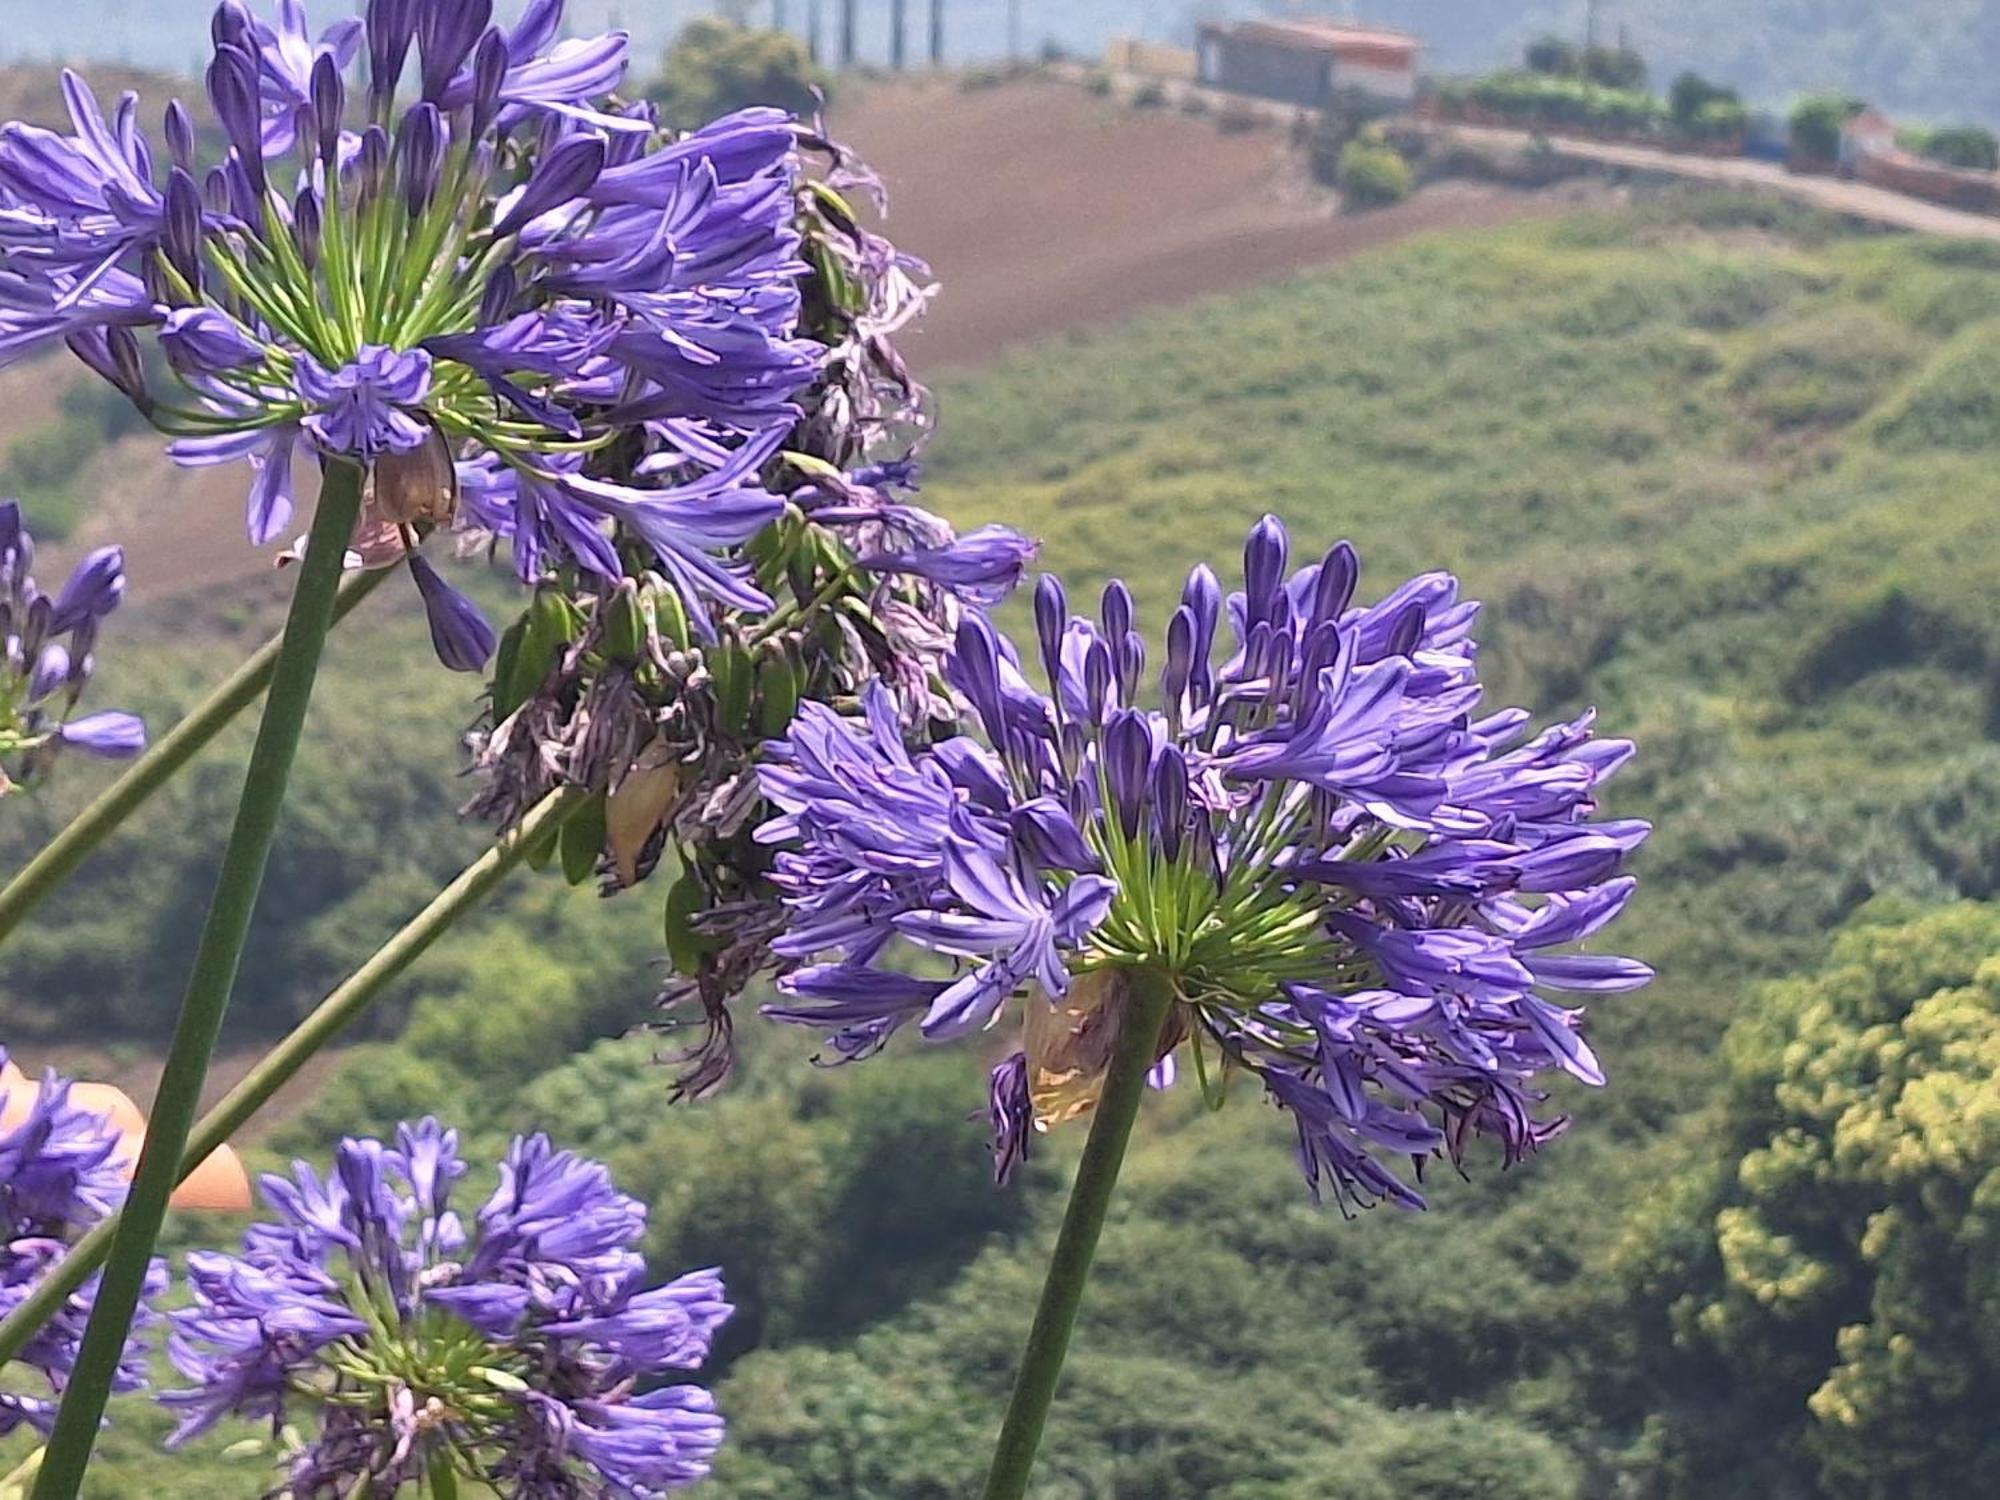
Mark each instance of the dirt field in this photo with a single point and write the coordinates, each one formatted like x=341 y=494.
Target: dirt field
x=1044 y=209
x=1041 y=207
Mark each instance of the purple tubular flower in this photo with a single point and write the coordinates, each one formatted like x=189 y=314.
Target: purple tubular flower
x=60 y=1172
x=391 y=27
x=649 y=1444
x=234 y=94
x=47 y=655
x=566 y=173
x=112 y=735
x=683 y=527
x=51 y=671
x=1012 y=1115
x=179 y=127
x=420 y=144
x=91 y=591
x=983 y=566
x=447 y=31
x=359 y=409
x=327 y=99
x=459 y=633
x=1360 y=892
x=548 y=1286
x=1004 y=923
x=208 y=341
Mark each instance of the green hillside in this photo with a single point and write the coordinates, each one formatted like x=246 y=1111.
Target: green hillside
x=1720 y=468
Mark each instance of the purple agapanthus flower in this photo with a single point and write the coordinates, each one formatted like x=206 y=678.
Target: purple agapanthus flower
x=48 y=650
x=510 y=1352
x=61 y=1170
x=475 y=254
x=1359 y=892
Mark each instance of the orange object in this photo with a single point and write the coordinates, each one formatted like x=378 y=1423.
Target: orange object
x=218 y=1185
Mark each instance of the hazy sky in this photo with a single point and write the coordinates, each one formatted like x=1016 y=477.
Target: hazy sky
x=171 y=34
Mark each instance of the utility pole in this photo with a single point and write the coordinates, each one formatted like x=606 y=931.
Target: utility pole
x=937 y=33
x=812 y=32
x=898 y=33
x=847 y=33
x=778 y=15
x=1013 y=30
x=1590 y=27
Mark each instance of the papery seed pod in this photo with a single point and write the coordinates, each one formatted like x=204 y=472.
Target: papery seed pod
x=418 y=485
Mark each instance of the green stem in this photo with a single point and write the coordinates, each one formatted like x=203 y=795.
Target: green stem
x=209 y=983
x=97 y=822
x=282 y=1063
x=1148 y=997
x=443 y=1477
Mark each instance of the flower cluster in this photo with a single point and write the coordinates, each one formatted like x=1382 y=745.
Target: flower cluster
x=60 y=1171
x=614 y=686
x=511 y=1353
x=50 y=648
x=471 y=288
x=1358 y=891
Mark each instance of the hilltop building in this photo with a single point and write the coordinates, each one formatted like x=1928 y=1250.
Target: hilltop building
x=1307 y=60
x=1869 y=133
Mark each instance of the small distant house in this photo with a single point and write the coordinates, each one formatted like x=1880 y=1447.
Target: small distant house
x=1307 y=61
x=1870 y=133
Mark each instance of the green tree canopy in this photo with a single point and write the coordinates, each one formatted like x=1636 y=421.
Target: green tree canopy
x=1845 y=1271
x=714 y=67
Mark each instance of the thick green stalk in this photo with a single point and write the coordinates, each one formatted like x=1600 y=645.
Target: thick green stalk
x=1148 y=997
x=277 y=1068
x=174 y=749
x=209 y=982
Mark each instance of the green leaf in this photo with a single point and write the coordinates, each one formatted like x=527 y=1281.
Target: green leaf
x=624 y=625
x=504 y=659
x=582 y=841
x=669 y=614
x=685 y=946
x=552 y=622
x=778 y=681
x=730 y=667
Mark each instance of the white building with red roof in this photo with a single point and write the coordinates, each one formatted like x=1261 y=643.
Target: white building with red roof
x=1307 y=60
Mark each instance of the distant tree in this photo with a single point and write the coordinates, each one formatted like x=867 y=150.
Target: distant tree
x=1614 y=67
x=1816 y=122
x=1720 y=120
x=1553 y=56
x=1372 y=173
x=1967 y=146
x=714 y=67
x=1690 y=93
x=1843 y=1268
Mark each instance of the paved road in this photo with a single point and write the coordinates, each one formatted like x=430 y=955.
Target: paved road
x=1862 y=200
x=1859 y=199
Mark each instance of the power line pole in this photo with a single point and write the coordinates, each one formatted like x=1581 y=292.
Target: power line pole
x=937 y=33
x=847 y=33
x=1013 y=30
x=778 y=15
x=812 y=31
x=898 y=34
